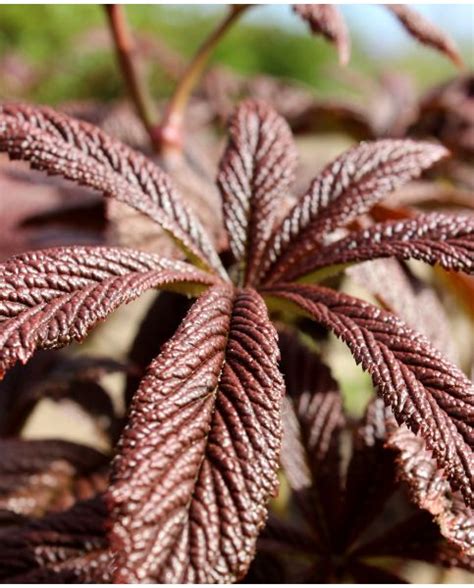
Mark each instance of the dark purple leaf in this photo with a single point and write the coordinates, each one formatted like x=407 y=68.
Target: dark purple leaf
x=256 y=169
x=345 y=189
x=49 y=298
x=415 y=302
x=442 y=239
x=417 y=538
x=80 y=152
x=370 y=474
x=65 y=547
x=364 y=573
x=430 y=490
x=313 y=420
x=433 y=397
x=197 y=462
x=59 y=378
x=39 y=476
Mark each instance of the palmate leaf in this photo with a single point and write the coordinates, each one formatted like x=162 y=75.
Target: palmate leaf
x=442 y=239
x=345 y=189
x=49 y=298
x=64 y=547
x=326 y=20
x=256 y=168
x=430 y=395
x=197 y=462
x=81 y=152
x=342 y=541
x=37 y=476
x=425 y=32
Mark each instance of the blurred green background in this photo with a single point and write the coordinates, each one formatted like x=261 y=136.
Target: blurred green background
x=57 y=53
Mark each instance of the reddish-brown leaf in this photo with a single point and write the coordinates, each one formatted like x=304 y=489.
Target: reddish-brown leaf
x=313 y=420
x=197 y=462
x=39 y=476
x=257 y=167
x=430 y=490
x=326 y=20
x=442 y=239
x=414 y=301
x=416 y=538
x=370 y=474
x=345 y=189
x=82 y=153
x=65 y=547
x=49 y=298
x=432 y=396
x=426 y=32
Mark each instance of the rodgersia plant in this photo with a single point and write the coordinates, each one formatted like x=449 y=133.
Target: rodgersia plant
x=353 y=522
x=197 y=461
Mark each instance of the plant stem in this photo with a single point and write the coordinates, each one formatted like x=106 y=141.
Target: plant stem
x=126 y=55
x=169 y=134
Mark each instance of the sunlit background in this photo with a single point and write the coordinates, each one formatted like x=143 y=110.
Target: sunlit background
x=59 y=53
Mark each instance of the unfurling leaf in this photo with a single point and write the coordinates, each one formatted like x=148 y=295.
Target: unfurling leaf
x=433 y=397
x=81 y=152
x=326 y=20
x=49 y=298
x=345 y=189
x=257 y=167
x=440 y=239
x=197 y=462
x=64 y=547
x=425 y=32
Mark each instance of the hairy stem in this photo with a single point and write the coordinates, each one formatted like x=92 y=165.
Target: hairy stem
x=169 y=134
x=126 y=55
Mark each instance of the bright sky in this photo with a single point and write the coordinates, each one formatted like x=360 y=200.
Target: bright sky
x=379 y=29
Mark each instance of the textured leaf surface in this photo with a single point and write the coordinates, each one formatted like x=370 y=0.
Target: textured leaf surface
x=442 y=239
x=158 y=326
x=65 y=547
x=414 y=301
x=82 y=153
x=197 y=462
x=49 y=298
x=432 y=396
x=345 y=189
x=326 y=20
x=371 y=522
x=257 y=167
x=38 y=476
x=430 y=489
x=425 y=31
